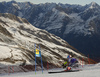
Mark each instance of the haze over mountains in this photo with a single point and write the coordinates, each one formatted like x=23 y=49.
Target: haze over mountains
x=78 y=25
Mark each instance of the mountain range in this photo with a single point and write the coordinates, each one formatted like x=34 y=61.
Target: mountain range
x=78 y=25
x=17 y=39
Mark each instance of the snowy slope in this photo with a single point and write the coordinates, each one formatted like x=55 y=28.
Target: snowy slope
x=17 y=39
x=93 y=71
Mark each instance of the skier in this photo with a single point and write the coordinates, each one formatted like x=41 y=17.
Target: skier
x=73 y=62
x=67 y=61
x=70 y=63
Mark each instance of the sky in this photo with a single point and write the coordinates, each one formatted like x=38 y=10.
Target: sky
x=81 y=2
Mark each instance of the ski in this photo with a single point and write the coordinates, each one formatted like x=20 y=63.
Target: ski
x=63 y=71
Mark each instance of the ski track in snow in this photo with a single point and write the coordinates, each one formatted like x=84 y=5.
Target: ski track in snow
x=88 y=71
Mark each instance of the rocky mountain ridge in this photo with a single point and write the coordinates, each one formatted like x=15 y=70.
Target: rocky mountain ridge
x=17 y=39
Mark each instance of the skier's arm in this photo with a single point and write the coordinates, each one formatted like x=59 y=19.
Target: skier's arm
x=65 y=63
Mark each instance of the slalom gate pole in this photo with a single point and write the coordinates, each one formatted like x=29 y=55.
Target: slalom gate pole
x=88 y=60
x=13 y=69
x=41 y=59
x=41 y=63
x=35 y=58
x=82 y=61
x=8 y=70
x=47 y=66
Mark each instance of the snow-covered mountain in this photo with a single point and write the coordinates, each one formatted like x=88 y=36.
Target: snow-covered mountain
x=78 y=25
x=17 y=39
